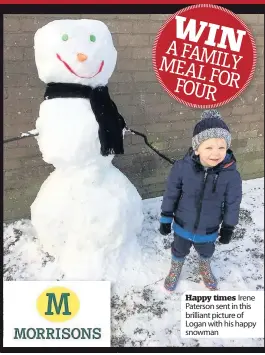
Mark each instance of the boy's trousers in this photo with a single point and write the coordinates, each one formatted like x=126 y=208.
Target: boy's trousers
x=181 y=247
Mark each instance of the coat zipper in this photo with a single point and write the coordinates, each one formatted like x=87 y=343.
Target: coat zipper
x=200 y=201
x=215 y=182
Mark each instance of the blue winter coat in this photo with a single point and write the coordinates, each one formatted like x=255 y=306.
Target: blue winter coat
x=200 y=199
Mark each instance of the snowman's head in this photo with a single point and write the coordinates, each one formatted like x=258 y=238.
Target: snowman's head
x=75 y=51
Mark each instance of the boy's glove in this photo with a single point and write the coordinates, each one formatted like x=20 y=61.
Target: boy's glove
x=165 y=223
x=226 y=233
x=165 y=228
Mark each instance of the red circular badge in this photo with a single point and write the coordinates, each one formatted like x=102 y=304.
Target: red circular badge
x=204 y=56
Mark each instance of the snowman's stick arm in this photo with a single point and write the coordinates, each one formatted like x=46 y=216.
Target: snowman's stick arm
x=35 y=133
x=22 y=136
x=171 y=161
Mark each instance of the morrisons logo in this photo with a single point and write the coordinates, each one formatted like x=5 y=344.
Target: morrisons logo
x=52 y=301
x=57 y=304
x=57 y=333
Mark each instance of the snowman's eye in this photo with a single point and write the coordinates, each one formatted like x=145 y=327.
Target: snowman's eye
x=65 y=37
x=92 y=38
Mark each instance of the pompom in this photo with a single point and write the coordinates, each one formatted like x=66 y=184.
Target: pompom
x=211 y=114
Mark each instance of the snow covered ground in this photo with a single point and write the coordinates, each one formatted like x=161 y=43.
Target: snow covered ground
x=142 y=313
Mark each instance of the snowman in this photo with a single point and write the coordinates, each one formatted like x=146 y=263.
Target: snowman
x=87 y=214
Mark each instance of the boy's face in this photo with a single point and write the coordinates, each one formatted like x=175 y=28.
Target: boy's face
x=212 y=151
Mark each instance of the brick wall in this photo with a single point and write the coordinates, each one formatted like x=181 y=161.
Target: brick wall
x=139 y=97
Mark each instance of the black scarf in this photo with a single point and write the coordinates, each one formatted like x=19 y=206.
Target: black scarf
x=111 y=123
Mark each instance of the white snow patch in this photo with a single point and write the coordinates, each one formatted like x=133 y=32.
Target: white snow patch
x=143 y=313
x=29 y=133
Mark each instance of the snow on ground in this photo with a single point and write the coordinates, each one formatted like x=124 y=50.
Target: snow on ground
x=143 y=314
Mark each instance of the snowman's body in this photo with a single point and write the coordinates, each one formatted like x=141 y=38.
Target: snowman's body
x=87 y=212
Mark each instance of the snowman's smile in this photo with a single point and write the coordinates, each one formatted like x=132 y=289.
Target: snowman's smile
x=73 y=72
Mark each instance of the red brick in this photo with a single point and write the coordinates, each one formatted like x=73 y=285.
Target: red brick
x=160 y=17
x=141 y=117
x=13 y=53
x=180 y=143
x=152 y=38
x=131 y=110
x=260 y=62
x=260 y=52
x=242 y=110
x=14 y=130
x=33 y=24
x=256 y=125
x=158 y=109
x=236 y=127
x=139 y=128
x=21 y=40
x=249 y=18
x=133 y=65
x=10 y=164
x=145 y=77
x=121 y=88
x=22 y=152
x=252 y=118
x=239 y=143
x=183 y=125
x=261 y=19
x=145 y=98
x=20 y=67
x=259 y=41
x=176 y=117
x=144 y=27
x=16 y=119
x=25 y=93
x=119 y=26
x=34 y=80
x=257 y=30
x=255 y=144
x=21 y=105
x=145 y=52
x=225 y=111
x=137 y=139
x=159 y=127
x=133 y=40
x=11 y=24
x=248 y=134
x=150 y=88
x=28 y=54
x=39 y=172
x=259 y=109
x=121 y=99
x=15 y=79
x=162 y=136
x=124 y=52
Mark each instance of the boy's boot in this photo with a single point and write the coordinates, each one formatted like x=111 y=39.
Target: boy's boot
x=171 y=280
x=207 y=274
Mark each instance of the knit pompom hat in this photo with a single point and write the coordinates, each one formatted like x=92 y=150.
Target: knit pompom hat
x=210 y=126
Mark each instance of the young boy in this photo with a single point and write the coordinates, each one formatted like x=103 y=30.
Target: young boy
x=204 y=191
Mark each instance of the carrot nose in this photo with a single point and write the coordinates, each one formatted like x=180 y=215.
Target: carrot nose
x=81 y=57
